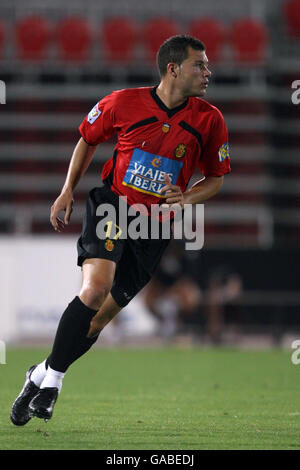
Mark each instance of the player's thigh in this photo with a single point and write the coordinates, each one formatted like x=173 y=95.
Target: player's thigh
x=97 y=277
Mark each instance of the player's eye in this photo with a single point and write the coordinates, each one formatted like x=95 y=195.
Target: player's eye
x=200 y=65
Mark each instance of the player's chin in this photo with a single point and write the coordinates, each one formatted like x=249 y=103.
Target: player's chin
x=202 y=91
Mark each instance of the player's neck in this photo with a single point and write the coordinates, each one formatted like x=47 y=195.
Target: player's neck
x=170 y=97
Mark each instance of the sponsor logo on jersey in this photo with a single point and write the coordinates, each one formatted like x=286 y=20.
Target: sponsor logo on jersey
x=156 y=162
x=109 y=245
x=94 y=114
x=146 y=172
x=223 y=152
x=180 y=150
x=165 y=128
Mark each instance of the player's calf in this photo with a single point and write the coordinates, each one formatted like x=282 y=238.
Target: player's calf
x=105 y=314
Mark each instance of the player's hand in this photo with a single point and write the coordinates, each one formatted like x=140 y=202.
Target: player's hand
x=173 y=194
x=64 y=202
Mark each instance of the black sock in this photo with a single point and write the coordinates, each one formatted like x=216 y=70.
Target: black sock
x=70 y=341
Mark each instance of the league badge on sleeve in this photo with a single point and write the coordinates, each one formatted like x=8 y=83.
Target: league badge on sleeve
x=223 y=152
x=94 y=114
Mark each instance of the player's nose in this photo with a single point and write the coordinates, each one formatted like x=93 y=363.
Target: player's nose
x=207 y=73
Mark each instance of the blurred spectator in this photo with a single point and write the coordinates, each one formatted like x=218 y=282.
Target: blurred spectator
x=177 y=301
x=223 y=291
x=173 y=294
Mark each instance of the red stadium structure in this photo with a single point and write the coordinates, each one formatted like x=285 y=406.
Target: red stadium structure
x=155 y=32
x=249 y=40
x=33 y=35
x=212 y=33
x=73 y=39
x=120 y=35
x=2 y=39
x=291 y=14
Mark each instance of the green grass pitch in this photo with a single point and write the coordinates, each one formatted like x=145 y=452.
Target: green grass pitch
x=162 y=399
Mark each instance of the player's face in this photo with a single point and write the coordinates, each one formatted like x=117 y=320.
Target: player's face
x=193 y=75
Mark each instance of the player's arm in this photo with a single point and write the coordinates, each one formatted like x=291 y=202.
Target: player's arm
x=81 y=158
x=199 y=192
x=203 y=190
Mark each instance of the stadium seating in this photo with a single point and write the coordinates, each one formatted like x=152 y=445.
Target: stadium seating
x=155 y=32
x=2 y=39
x=119 y=37
x=248 y=39
x=291 y=14
x=212 y=33
x=73 y=39
x=33 y=36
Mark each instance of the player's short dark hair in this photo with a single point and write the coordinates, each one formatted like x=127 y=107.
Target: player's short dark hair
x=175 y=49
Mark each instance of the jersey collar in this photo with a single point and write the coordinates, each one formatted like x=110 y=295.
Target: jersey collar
x=159 y=102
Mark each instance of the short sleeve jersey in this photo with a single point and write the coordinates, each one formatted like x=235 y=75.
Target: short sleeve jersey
x=153 y=140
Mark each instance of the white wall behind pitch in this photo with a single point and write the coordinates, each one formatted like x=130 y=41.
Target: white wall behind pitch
x=39 y=276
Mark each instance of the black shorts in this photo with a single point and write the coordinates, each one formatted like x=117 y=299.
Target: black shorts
x=136 y=259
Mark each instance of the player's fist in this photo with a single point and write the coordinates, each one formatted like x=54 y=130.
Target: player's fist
x=173 y=193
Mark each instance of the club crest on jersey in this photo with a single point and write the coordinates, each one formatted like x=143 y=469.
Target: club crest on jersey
x=146 y=172
x=223 y=152
x=165 y=128
x=94 y=114
x=109 y=245
x=180 y=151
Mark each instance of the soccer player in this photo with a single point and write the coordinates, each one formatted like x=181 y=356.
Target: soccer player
x=163 y=134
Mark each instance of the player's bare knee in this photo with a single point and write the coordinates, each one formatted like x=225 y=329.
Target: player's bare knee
x=94 y=295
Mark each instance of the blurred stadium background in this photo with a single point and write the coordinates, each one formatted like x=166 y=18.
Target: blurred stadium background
x=57 y=60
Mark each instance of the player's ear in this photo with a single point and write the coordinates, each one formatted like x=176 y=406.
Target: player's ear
x=172 y=69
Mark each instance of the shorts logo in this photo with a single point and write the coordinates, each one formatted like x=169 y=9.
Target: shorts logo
x=146 y=172
x=180 y=150
x=94 y=114
x=127 y=296
x=223 y=152
x=109 y=245
x=165 y=128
